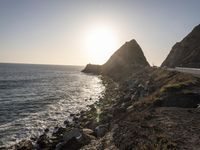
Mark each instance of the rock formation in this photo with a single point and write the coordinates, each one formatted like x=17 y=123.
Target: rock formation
x=125 y=60
x=185 y=53
x=90 y=68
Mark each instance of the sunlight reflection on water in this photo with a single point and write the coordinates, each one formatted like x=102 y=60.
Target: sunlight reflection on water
x=46 y=98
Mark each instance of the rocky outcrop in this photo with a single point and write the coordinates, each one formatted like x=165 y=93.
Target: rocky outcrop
x=127 y=59
x=185 y=53
x=90 y=68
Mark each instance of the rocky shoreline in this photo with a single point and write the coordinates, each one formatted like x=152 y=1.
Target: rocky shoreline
x=143 y=108
x=140 y=112
x=80 y=129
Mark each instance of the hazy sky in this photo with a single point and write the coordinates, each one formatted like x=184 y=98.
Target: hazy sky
x=55 y=32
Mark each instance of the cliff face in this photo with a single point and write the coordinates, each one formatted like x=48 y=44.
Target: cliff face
x=127 y=59
x=185 y=53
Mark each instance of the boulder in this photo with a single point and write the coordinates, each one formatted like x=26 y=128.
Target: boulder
x=75 y=139
x=73 y=133
x=71 y=144
x=88 y=131
x=130 y=108
x=24 y=145
x=119 y=110
x=42 y=141
x=101 y=130
x=58 y=131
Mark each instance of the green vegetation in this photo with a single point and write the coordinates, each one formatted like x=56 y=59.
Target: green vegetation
x=177 y=86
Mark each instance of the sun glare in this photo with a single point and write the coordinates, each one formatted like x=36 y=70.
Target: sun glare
x=101 y=43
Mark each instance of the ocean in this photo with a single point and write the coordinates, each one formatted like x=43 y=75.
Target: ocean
x=35 y=97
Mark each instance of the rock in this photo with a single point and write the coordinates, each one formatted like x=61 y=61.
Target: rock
x=101 y=130
x=123 y=105
x=141 y=90
x=67 y=122
x=33 y=138
x=130 y=108
x=119 y=110
x=75 y=139
x=72 y=115
x=106 y=117
x=58 y=131
x=87 y=136
x=115 y=127
x=92 y=108
x=133 y=97
x=198 y=106
x=42 y=141
x=71 y=144
x=90 y=124
x=24 y=145
x=75 y=119
x=87 y=123
x=60 y=145
x=46 y=130
x=90 y=137
x=185 y=53
x=127 y=97
x=88 y=131
x=73 y=133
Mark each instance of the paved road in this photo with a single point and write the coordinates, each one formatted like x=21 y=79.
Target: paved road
x=193 y=71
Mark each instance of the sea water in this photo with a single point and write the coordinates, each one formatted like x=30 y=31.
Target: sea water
x=35 y=97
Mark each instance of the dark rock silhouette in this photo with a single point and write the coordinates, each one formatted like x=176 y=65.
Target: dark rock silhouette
x=125 y=60
x=91 y=68
x=185 y=53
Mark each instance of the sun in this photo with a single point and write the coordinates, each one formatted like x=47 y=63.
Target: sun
x=101 y=43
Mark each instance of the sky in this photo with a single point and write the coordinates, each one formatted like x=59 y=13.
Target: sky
x=56 y=31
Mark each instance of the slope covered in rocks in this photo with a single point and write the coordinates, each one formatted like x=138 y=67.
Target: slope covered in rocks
x=151 y=109
x=155 y=109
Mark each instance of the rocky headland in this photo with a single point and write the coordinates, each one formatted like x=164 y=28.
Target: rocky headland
x=185 y=53
x=127 y=59
x=142 y=108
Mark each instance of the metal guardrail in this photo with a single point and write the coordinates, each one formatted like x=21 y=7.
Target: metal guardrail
x=193 y=71
x=188 y=70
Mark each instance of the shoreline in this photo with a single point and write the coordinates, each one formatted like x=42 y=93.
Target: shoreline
x=75 y=121
x=133 y=114
x=33 y=125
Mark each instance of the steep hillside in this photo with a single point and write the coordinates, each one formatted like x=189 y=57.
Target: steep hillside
x=185 y=53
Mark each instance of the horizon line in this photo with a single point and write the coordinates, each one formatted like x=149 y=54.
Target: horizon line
x=23 y=63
